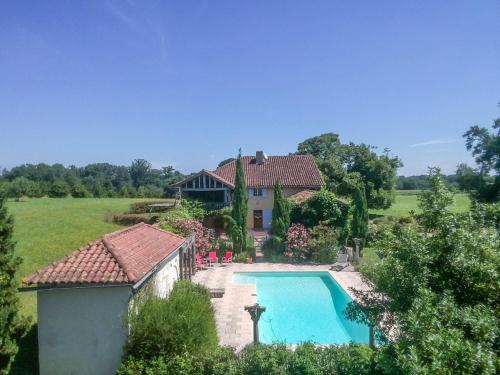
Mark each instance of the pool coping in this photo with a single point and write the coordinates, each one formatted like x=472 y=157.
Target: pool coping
x=234 y=325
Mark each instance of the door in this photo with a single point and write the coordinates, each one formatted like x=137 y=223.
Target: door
x=257 y=219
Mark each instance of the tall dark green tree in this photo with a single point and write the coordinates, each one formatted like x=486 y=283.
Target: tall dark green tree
x=359 y=225
x=139 y=171
x=12 y=326
x=240 y=207
x=281 y=213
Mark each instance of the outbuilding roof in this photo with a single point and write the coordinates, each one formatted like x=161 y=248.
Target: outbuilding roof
x=122 y=257
x=299 y=171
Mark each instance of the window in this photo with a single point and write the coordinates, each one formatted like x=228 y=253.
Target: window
x=257 y=192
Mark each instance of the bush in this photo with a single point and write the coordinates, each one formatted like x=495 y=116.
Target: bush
x=132 y=219
x=273 y=247
x=58 y=189
x=297 y=243
x=323 y=207
x=261 y=359
x=324 y=244
x=80 y=191
x=183 y=323
x=145 y=207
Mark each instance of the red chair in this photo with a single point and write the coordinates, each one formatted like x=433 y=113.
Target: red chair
x=212 y=258
x=199 y=261
x=228 y=258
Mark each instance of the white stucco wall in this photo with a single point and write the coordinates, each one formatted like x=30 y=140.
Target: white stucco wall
x=164 y=278
x=82 y=330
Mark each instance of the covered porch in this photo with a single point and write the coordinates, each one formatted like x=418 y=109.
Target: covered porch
x=206 y=187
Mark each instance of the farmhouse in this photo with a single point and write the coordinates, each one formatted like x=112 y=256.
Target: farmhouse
x=296 y=174
x=83 y=299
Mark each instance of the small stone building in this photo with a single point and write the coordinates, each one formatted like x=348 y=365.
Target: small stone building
x=83 y=299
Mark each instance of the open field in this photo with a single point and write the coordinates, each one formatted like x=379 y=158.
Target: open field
x=405 y=202
x=47 y=229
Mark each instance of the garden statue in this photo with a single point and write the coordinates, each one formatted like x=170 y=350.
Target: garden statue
x=255 y=312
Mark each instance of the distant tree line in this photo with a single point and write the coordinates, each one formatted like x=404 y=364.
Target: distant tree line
x=422 y=182
x=94 y=180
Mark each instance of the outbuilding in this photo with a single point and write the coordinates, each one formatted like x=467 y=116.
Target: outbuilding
x=84 y=298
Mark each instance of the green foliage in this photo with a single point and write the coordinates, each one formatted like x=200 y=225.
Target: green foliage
x=281 y=212
x=485 y=147
x=12 y=326
x=182 y=323
x=131 y=219
x=440 y=279
x=101 y=179
x=324 y=244
x=322 y=208
x=225 y=161
x=238 y=228
x=80 y=191
x=359 y=223
x=272 y=247
x=58 y=189
x=138 y=172
x=345 y=165
x=306 y=359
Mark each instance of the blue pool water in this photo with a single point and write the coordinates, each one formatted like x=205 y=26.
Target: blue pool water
x=303 y=306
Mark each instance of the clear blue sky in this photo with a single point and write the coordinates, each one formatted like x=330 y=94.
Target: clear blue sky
x=189 y=82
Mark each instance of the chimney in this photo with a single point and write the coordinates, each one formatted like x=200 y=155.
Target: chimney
x=260 y=157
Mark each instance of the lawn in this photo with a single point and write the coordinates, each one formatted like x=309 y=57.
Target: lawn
x=47 y=229
x=406 y=202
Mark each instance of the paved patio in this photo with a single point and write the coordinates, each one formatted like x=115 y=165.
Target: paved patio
x=234 y=325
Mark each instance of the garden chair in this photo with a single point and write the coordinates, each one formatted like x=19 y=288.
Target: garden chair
x=199 y=262
x=228 y=258
x=212 y=258
x=341 y=263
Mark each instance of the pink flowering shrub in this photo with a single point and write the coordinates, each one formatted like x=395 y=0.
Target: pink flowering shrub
x=297 y=243
x=203 y=236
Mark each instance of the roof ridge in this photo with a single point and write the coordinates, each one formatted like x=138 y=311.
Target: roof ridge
x=123 y=230
x=119 y=259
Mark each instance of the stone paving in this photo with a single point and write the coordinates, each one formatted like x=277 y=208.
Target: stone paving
x=234 y=325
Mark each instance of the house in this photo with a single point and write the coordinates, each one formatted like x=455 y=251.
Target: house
x=83 y=299
x=296 y=173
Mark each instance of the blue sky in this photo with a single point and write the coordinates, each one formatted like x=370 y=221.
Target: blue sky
x=189 y=82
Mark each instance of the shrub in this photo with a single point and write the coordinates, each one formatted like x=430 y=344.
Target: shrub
x=297 y=243
x=80 y=191
x=203 y=237
x=132 y=219
x=58 y=189
x=272 y=247
x=323 y=207
x=183 y=323
x=145 y=207
x=324 y=244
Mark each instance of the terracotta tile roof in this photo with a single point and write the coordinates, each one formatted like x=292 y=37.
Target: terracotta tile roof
x=291 y=171
x=301 y=196
x=122 y=257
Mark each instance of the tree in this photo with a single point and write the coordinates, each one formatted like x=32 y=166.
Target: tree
x=434 y=291
x=281 y=213
x=12 y=326
x=240 y=206
x=225 y=161
x=359 y=213
x=79 y=191
x=485 y=147
x=139 y=171
x=346 y=165
x=58 y=189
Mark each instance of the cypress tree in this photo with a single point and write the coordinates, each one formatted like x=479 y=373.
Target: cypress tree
x=12 y=327
x=359 y=213
x=281 y=213
x=240 y=206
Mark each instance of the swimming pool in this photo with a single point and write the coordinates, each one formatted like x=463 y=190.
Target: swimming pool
x=303 y=306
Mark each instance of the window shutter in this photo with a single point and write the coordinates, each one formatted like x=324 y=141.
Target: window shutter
x=250 y=193
x=264 y=193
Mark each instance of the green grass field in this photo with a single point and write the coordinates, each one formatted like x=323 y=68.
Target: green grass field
x=406 y=202
x=48 y=229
